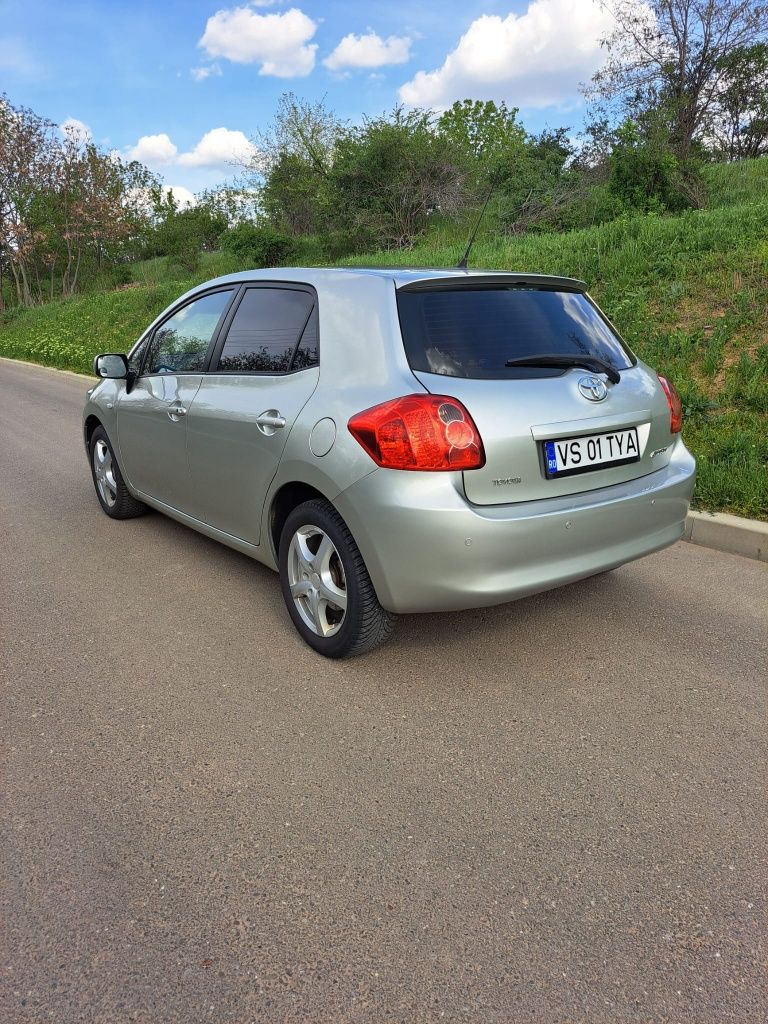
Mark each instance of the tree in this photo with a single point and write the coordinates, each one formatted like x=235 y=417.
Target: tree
x=739 y=123
x=96 y=207
x=488 y=137
x=668 y=55
x=300 y=128
x=391 y=172
x=292 y=161
x=27 y=168
x=65 y=206
x=296 y=196
x=233 y=203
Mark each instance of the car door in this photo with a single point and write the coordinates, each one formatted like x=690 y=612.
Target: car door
x=151 y=415
x=263 y=371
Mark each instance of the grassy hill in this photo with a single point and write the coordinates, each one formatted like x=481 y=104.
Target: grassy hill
x=689 y=293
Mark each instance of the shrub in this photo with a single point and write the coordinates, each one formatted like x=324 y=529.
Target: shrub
x=646 y=174
x=254 y=246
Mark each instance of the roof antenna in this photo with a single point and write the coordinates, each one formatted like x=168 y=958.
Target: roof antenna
x=462 y=264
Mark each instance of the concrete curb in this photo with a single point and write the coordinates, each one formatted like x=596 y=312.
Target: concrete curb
x=737 y=536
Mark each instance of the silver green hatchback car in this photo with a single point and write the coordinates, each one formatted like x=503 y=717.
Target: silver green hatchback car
x=394 y=441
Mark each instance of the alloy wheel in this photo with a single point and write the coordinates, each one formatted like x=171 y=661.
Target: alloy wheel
x=317 y=582
x=104 y=473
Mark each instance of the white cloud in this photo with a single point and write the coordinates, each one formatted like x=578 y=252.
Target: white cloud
x=278 y=42
x=207 y=71
x=534 y=59
x=182 y=196
x=368 y=51
x=217 y=148
x=154 y=150
x=77 y=130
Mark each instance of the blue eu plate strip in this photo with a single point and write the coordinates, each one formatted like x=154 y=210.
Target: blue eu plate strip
x=549 y=448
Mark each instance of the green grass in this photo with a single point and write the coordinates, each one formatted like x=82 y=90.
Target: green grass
x=68 y=333
x=733 y=184
x=690 y=296
x=689 y=293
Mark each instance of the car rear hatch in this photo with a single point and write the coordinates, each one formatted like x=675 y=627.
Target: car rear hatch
x=547 y=430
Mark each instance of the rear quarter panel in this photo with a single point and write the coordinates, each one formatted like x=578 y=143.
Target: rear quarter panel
x=362 y=363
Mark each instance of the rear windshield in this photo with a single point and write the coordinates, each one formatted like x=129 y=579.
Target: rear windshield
x=472 y=332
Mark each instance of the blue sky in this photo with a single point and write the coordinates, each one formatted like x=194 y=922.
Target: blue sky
x=182 y=84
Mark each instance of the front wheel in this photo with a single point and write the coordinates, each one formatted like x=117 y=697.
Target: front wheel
x=114 y=497
x=326 y=586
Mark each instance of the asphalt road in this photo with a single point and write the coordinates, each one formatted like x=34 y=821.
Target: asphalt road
x=551 y=811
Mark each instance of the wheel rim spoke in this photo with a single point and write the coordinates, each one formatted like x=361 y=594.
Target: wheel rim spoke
x=300 y=589
x=332 y=594
x=302 y=549
x=320 y=623
x=322 y=558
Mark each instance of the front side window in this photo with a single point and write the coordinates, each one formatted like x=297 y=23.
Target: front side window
x=472 y=332
x=180 y=344
x=266 y=331
x=136 y=356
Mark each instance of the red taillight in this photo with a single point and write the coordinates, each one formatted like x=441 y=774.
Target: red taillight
x=674 y=403
x=419 y=432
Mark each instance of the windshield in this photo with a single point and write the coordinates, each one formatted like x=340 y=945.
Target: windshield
x=472 y=332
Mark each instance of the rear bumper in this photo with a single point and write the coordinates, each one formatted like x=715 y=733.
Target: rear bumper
x=427 y=549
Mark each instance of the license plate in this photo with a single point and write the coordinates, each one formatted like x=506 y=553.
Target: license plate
x=580 y=454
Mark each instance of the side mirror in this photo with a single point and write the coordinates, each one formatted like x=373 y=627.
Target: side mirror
x=112 y=365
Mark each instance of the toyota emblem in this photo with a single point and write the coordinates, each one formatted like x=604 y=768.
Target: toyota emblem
x=593 y=389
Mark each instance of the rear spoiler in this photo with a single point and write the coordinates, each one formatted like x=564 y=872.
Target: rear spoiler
x=491 y=280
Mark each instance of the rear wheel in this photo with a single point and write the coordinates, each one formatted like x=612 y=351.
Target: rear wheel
x=326 y=586
x=114 y=497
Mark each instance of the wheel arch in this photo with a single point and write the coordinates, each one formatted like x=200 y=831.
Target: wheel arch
x=90 y=424
x=288 y=497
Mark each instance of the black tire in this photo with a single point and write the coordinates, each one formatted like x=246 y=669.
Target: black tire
x=124 y=505
x=365 y=623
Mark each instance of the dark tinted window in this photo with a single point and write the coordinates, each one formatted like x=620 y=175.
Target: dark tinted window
x=472 y=332
x=307 y=352
x=180 y=344
x=265 y=330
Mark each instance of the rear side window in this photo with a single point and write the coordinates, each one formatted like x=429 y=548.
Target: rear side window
x=266 y=331
x=307 y=352
x=472 y=332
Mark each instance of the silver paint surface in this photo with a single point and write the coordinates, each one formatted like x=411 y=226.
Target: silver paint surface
x=431 y=541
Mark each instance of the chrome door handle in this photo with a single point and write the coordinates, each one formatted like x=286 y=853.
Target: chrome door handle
x=177 y=410
x=271 y=419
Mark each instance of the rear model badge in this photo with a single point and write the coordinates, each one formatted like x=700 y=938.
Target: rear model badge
x=593 y=388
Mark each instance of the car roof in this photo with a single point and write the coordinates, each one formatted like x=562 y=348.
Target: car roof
x=415 y=278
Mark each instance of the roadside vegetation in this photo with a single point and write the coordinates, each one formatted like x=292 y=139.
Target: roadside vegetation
x=661 y=206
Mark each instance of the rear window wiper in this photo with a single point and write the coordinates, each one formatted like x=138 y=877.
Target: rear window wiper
x=587 y=362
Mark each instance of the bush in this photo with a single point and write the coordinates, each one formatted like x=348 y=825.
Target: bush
x=182 y=249
x=646 y=175
x=254 y=246
x=390 y=174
